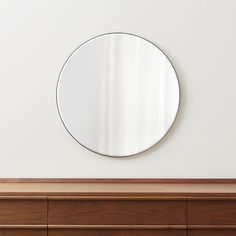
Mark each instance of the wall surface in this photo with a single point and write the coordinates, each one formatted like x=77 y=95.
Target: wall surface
x=198 y=36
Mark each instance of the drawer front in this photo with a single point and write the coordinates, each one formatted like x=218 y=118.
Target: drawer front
x=23 y=211
x=23 y=232
x=112 y=212
x=212 y=232
x=211 y=212
x=115 y=232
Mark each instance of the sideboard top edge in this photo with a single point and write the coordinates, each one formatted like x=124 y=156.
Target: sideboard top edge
x=120 y=180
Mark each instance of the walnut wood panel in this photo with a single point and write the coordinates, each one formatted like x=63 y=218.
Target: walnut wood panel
x=115 y=232
x=212 y=232
x=117 y=208
x=211 y=212
x=23 y=211
x=105 y=212
x=23 y=232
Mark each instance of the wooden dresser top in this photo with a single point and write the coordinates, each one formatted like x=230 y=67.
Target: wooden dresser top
x=116 y=188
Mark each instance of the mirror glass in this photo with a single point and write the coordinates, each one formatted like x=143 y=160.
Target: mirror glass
x=118 y=94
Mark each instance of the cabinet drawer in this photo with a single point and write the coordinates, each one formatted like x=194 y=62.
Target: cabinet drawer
x=211 y=212
x=23 y=210
x=115 y=232
x=212 y=232
x=112 y=212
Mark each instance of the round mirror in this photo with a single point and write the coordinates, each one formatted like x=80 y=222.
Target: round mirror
x=118 y=94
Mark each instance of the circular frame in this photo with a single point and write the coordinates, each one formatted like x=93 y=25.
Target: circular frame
x=105 y=155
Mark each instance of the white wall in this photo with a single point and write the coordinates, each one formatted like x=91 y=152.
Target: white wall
x=199 y=36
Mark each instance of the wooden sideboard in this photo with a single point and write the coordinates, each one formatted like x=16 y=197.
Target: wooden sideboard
x=128 y=208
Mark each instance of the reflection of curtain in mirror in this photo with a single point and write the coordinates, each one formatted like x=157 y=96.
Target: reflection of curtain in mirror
x=110 y=124
x=131 y=86
x=103 y=138
x=135 y=88
x=120 y=107
x=153 y=94
x=133 y=97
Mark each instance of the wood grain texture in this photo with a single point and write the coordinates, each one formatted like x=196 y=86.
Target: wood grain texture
x=105 y=212
x=23 y=211
x=117 y=208
x=159 y=227
x=122 y=189
x=211 y=212
x=115 y=232
x=214 y=227
x=117 y=180
x=212 y=232
x=23 y=232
